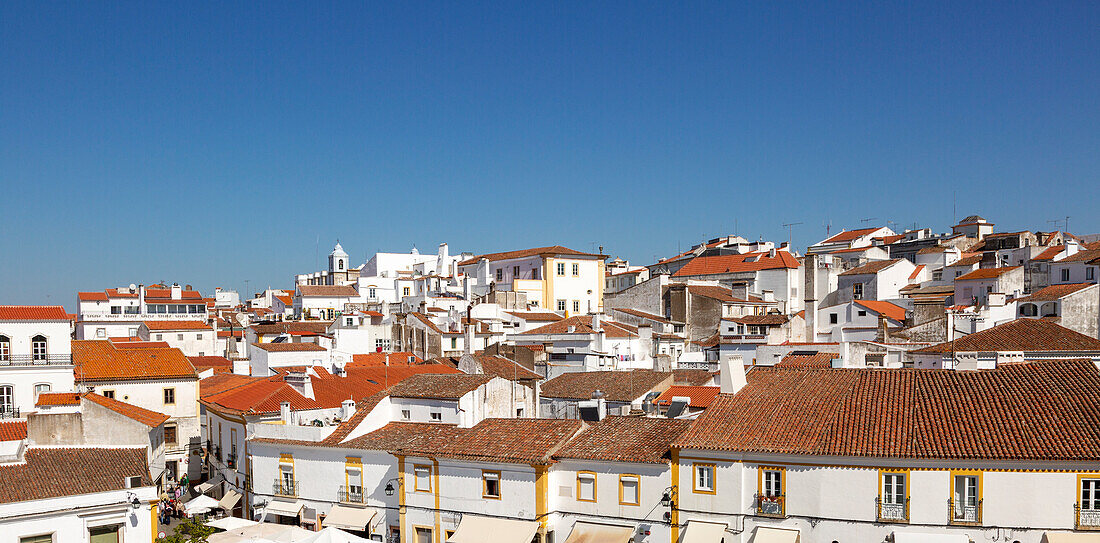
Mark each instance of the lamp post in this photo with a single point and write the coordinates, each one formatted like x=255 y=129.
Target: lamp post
x=668 y=499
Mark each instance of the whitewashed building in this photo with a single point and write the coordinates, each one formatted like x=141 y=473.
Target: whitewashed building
x=35 y=356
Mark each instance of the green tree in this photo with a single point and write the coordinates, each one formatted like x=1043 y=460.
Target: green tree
x=188 y=531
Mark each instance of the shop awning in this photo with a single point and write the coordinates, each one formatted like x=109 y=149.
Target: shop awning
x=703 y=532
x=231 y=523
x=349 y=518
x=584 y=532
x=1069 y=537
x=287 y=509
x=775 y=535
x=229 y=501
x=475 y=529
x=203 y=488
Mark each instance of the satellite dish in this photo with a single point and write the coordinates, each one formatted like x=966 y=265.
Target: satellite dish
x=133 y=287
x=242 y=319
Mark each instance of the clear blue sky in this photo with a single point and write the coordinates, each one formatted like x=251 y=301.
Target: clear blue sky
x=210 y=143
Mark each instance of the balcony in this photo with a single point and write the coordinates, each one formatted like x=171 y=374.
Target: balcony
x=37 y=360
x=354 y=495
x=1086 y=519
x=9 y=412
x=771 y=506
x=891 y=512
x=964 y=514
x=231 y=461
x=285 y=487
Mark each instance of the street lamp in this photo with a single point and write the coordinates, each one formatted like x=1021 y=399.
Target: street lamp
x=390 y=488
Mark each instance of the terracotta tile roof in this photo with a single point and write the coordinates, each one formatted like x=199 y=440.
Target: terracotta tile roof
x=217 y=363
x=850 y=235
x=524 y=253
x=91 y=296
x=383 y=359
x=442 y=387
x=761 y=320
x=872 y=267
x=362 y=409
x=816 y=360
x=617 y=386
x=58 y=472
x=986 y=273
x=536 y=316
x=721 y=264
x=642 y=314
x=721 y=294
x=890 y=240
x=1055 y=292
x=855 y=249
x=583 y=325
x=105 y=361
x=626 y=439
x=1082 y=256
x=176 y=325
x=345 y=291
x=916 y=271
x=316 y=327
x=233 y=333
x=149 y=418
x=57 y=398
x=137 y=343
x=886 y=309
x=13 y=431
x=498 y=440
x=504 y=368
x=692 y=377
x=33 y=313
x=284 y=347
x=933 y=249
x=1048 y=253
x=1026 y=335
x=701 y=396
x=285 y=299
x=1051 y=413
x=165 y=294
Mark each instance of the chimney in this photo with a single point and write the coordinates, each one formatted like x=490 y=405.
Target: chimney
x=771 y=252
x=883 y=332
x=347 y=409
x=301 y=381
x=596 y=324
x=188 y=287
x=442 y=263
x=593 y=410
x=732 y=374
x=177 y=292
x=469 y=339
x=769 y=296
x=141 y=299
x=284 y=412
x=784 y=245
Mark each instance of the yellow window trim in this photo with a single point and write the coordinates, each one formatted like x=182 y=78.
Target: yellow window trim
x=485 y=484
x=416 y=480
x=1080 y=478
x=882 y=473
x=695 y=478
x=595 y=486
x=637 y=490
x=782 y=478
x=951 y=489
x=353 y=461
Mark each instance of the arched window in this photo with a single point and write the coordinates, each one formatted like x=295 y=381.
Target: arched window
x=7 y=400
x=1029 y=310
x=40 y=388
x=5 y=349
x=38 y=348
x=340 y=264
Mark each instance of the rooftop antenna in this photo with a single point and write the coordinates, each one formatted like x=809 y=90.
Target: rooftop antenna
x=1065 y=223
x=828 y=227
x=868 y=219
x=790 y=231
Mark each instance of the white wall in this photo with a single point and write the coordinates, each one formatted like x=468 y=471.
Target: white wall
x=68 y=518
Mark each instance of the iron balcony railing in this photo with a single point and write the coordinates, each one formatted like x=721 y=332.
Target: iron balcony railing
x=231 y=461
x=9 y=412
x=350 y=494
x=1086 y=519
x=36 y=360
x=285 y=488
x=771 y=506
x=964 y=513
x=892 y=512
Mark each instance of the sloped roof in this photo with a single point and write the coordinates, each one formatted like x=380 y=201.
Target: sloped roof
x=1046 y=411
x=872 y=267
x=967 y=260
x=536 y=316
x=1055 y=292
x=722 y=264
x=625 y=439
x=583 y=325
x=57 y=472
x=216 y=363
x=816 y=360
x=642 y=314
x=1025 y=335
x=762 y=320
x=443 y=387
x=286 y=347
x=699 y=396
x=316 y=327
x=524 y=253
x=149 y=418
x=57 y=398
x=97 y=360
x=505 y=368
x=1081 y=256
x=617 y=386
x=177 y=325
x=986 y=273
x=33 y=313
x=692 y=377
x=886 y=309
x=345 y=291
x=850 y=235
x=383 y=359
x=1049 y=253
x=13 y=430
x=497 y=440
x=722 y=294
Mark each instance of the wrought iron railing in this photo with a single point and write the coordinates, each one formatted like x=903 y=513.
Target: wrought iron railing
x=285 y=488
x=9 y=412
x=231 y=461
x=771 y=506
x=350 y=495
x=36 y=360
x=1086 y=519
x=892 y=512
x=963 y=513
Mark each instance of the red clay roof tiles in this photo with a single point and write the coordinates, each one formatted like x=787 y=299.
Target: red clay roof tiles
x=33 y=313
x=1024 y=335
x=57 y=472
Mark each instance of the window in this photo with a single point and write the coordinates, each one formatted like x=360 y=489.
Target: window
x=704 y=478
x=1089 y=506
x=5 y=348
x=1090 y=274
x=893 y=497
x=966 y=501
x=339 y=264
x=170 y=434
x=45 y=538
x=561 y=305
x=773 y=483
x=349 y=321
x=179 y=337
x=937 y=276
x=372 y=293
x=198 y=337
x=454 y=343
x=109 y=394
x=437 y=416
x=104 y=534
x=832 y=318
x=534 y=273
x=160 y=337
x=7 y=399
x=628 y=490
x=500 y=274
x=423 y=478
x=382 y=344
x=586 y=485
x=561 y=268
x=354 y=476
x=490 y=484
x=101 y=332
x=169 y=396
x=424 y=534
x=576 y=305
x=40 y=388
x=857 y=291
x=405 y=291
x=1065 y=274
x=515 y=272
x=406 y=414
x=1029 y=310
x=38 y=348
x=861 y=313
x=576 y=270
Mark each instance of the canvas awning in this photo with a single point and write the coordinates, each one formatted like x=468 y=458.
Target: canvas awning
x=584 y=532
x=475 y=529
x=287 y=509
x=703 y=532
x=775 y=535
x=201 y=504
x=229 y=501
x=1070 y=537
x=348 y=517
x=203 y=488
x=231 y=523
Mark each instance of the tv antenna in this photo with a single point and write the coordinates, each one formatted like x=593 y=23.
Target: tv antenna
x=1064 y=221
x=867 y=220
x=790 y=231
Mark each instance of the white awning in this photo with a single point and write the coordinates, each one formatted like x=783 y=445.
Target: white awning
x=584 y=532
x=231 y=523
x=287 y=509
x=201 y=504
x=229 y=501
x=703 y=532
x=775 y=535
x=1070 y=537
x=348 y=517
x=203 y=488
x=475 y=529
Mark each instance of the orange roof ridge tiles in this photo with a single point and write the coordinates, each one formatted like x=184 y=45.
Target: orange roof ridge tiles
x=1049 y=253
x=177 y=325
x=33 y=313
x=57 y=398
x=986 y=273
x=626 y=439
x=523 y=253
x=816 y=360
x=850 y=235
x=13 y=430
x=698 y=396
x=617 y=386
x=720 y=264
x=98 y=360
x=1026 y=335
x=48 y=472
x=440 y=386
x=929 y=414
x=583 y=325
x=328 y=290
x=1054 y=292
x=872 y=267
x=149 y=418
x=887 y=309
x=916 y=271
x=722 y=294
x=535 y=316
x=288 y=347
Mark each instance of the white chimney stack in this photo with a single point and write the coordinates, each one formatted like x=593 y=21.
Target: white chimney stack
x=284 y=412
x=732 y=374
x=347 y=408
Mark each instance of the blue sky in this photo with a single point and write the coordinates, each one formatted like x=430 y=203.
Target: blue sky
x=213 y=143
